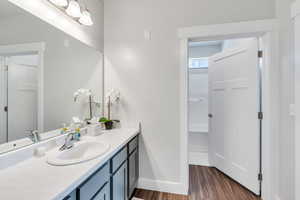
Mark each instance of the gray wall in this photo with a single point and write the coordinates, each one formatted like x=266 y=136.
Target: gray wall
x=147 y=72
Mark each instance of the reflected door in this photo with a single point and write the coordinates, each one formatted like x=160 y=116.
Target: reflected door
x=234 y=107
x=22 y=95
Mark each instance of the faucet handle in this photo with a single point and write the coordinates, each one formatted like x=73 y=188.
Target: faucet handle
x=31 y=132
x=33 y=135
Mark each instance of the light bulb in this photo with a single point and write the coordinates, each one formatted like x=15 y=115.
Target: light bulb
x=74 y=9
x=61 y=3
x=86 y=18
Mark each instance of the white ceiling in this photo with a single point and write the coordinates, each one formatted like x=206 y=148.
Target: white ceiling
x=7 y=10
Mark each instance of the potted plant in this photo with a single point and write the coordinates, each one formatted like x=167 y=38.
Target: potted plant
x=111 y=98
x=108 y=123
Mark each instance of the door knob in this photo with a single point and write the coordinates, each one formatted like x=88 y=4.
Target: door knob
x=210 y=115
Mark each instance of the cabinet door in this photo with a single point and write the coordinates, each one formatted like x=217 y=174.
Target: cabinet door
x=133 y=172
x=71 y=196
x=103 y=194
x=119 y=183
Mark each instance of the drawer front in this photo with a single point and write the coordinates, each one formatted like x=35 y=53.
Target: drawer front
x=133 y=144
x=118 y=159
x=103 y=194
x=88 y=189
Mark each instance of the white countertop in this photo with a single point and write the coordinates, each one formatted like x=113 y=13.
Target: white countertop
x=34 y=179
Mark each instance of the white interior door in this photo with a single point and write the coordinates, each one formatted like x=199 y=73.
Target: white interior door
x=234 y=105
x=22 y=104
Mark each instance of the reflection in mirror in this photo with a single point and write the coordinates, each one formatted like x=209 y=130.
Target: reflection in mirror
x=41 y=69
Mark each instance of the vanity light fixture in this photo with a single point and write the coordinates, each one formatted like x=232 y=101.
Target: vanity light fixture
x=74 y=9
x=60 y=3
x=86 y=18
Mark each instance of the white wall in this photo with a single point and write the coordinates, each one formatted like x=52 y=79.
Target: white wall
x=147 y=72
x=68 y=65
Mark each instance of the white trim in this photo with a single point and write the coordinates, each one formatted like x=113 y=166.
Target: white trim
x=39 y=49
x=297 y=106
x=161 y=186
x=295 y=9
x=217 y=31
x=3 y=99
x=26 y=48
x=267 y=30
x=183 y=100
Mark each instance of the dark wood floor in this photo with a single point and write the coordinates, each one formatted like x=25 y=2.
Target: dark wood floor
x=205 y=184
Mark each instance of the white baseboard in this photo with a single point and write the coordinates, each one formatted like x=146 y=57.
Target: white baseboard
x=198 y=158
x=162 y=186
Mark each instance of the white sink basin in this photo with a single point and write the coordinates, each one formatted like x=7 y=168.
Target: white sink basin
x=81 y=152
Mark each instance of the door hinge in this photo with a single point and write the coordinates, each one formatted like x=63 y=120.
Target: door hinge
x=260 y=115
x=5 y=109
x=260 y=54
x=260 y=177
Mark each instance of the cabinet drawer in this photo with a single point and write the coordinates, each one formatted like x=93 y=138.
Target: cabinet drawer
x=89 y=188
x=118 y=159
x=103 y=194
x=133 y=144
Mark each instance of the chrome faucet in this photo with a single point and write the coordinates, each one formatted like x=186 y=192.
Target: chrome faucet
x=34 y=135
x=69 y=142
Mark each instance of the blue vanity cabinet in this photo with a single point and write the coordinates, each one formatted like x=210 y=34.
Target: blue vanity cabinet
x=119 y=183
x=119 y=176
x=93 y=185
x=115 y=180
x=133 y=166
x=104 y=193
x=71 y=196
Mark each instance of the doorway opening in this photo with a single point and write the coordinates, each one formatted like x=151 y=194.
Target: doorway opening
x=266 y=31
x=224 y=106
x=19 y=95
x=21 y=72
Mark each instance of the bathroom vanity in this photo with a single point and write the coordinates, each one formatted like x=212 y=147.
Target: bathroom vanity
x=51 y=85
x=115 y=180
x=111 y=176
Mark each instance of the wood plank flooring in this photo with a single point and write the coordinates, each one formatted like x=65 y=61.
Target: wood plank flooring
x=205 y=184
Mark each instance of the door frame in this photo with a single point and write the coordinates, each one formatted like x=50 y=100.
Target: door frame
x=31 y=48
x=267 y=31
x=295 y=18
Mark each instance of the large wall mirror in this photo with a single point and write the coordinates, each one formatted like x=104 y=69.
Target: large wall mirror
x=41 y=69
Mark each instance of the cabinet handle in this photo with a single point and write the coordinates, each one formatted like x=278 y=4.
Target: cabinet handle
x=67 y=198
x=124 y=183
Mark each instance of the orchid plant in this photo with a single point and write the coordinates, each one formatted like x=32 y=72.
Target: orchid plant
x=112 y=97
x=86 y=93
